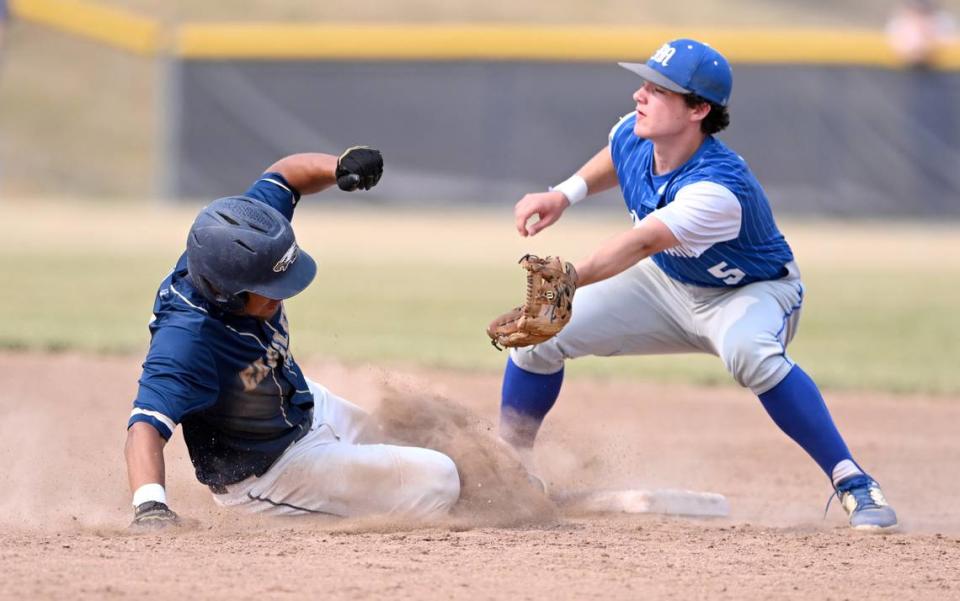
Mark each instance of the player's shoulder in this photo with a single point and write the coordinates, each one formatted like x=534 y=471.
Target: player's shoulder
x=721 y=156
x=176 y=326
x=178 y=296
x=715 y=162
x=179 y=343
x=179 y=349
x=624 y=143
x=180 y=310
x=626 y=121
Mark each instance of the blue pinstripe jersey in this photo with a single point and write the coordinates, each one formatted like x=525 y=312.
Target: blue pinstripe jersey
x=229 y=380
x=758 y=253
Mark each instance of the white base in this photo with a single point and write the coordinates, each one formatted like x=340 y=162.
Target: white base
x=665 y=501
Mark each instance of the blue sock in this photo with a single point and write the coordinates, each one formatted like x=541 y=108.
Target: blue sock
x=526 y=398
x=795 y=404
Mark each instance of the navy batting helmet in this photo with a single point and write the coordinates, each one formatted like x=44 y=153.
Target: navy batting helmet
x=238 y=245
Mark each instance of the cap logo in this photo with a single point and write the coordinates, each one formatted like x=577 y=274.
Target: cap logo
x=664 y=54
x=288 y=258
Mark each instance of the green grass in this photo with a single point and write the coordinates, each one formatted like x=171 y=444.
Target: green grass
x=894 y=331
x=416 y=300
x=85 y=301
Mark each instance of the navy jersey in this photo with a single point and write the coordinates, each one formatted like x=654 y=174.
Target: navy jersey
x=229 y=380
x=758 y=253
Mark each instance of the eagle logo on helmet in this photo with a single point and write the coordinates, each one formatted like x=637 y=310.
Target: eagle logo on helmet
x=288 y=258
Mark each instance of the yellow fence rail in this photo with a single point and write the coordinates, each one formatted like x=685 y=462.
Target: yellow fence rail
x=112 y=26
x=272 y=41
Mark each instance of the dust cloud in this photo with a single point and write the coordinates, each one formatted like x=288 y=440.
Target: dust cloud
x=496 y=489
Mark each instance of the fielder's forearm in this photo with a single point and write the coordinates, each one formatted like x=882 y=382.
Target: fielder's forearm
x=599 y=172
x=596 y=175
x=624 y=251
x=144 y=455
x=308 y=172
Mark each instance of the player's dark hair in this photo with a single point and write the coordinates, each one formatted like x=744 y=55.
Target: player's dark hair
x=716 y=120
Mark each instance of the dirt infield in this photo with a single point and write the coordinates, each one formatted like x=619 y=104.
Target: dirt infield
x=64 y=501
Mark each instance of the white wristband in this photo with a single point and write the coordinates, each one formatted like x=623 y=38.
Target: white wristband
x=574 y=188
x=149 y=492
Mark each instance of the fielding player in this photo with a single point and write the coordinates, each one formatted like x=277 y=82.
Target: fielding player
x=704 y=269
x=261 y=435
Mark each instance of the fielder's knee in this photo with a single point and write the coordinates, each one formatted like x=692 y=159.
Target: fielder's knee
x=543 y=359
x=756 y=363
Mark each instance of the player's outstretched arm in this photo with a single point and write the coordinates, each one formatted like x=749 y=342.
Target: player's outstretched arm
x=358 y=168
x=145 y=470
x=624 y=250
x=597 y=175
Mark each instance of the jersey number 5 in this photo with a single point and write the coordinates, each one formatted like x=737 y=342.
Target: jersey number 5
x=730 y=276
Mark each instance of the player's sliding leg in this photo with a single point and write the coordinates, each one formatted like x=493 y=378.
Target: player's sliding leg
x=327 y=472
x=331 y=477
x=750 y=331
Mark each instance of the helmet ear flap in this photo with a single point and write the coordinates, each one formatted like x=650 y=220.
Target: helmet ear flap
x=235 y=303
x=230 y=303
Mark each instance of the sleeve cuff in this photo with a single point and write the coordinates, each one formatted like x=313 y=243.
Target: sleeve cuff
x=163 y=424
x=276 y=178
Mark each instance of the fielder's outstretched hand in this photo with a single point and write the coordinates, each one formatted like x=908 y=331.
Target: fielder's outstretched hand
x=359 y=168
x=153 y=515
x=548 y=206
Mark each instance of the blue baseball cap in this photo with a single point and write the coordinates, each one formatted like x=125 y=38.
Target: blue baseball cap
x=688 y=67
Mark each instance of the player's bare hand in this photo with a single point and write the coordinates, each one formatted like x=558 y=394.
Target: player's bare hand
x=546 y=206
x=151 y=516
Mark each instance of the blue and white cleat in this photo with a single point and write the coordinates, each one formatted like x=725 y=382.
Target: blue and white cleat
x=864 y=502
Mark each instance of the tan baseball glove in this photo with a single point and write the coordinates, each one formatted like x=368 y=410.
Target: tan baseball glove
x=547 y=308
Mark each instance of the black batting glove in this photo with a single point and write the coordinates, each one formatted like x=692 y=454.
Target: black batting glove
x=359 y=168
x=153 y=515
